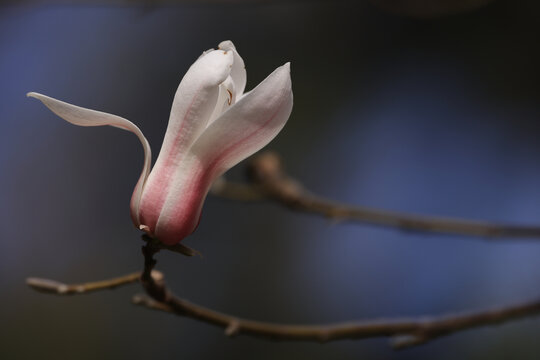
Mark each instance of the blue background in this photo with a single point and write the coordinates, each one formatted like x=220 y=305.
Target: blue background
x=436 y=116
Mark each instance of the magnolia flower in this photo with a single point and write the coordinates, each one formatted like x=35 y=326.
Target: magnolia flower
x=213 y=126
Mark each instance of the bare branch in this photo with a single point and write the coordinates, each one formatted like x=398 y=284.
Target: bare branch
x=403 y=332
x=271 y=182
x=55 y=287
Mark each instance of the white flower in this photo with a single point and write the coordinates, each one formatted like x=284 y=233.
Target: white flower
x=213 y=126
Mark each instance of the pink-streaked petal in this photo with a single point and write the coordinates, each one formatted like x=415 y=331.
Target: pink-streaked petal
x=86 y=117
x=193 y=105
x=238 y=72
x=180 y=213
x=248 y=125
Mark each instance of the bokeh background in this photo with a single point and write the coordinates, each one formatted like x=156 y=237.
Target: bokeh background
x=431 y=114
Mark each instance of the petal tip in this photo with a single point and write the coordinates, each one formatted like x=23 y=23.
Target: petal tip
x=35 y=95
x=284 y=69
x=226 y=45
x=284 y=72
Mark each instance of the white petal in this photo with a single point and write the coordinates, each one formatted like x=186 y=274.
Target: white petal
x=206 y=52
x=238 y=72
x=194 y=102
x=248 y=125
x=226 y=98
x=86 y=117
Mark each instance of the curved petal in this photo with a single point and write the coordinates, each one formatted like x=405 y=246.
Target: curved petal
x=226 y=98
x=194 y=101
x=238 y=72
x=193 y=105
x=86 y=117
x=248 y=125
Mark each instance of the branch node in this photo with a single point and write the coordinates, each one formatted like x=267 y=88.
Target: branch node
x=233 y=328
x=157 y=275
x=46 y=285
x=404 y=341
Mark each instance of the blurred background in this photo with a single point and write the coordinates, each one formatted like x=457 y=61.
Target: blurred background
x=401 y=106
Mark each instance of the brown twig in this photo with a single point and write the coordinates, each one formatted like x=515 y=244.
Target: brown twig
x=55 y=287
x=271 y=182
x=403 y=332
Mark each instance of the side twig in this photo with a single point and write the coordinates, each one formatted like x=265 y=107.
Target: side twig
x=403 y=332
x=55 y=287
x=269 y=181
